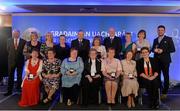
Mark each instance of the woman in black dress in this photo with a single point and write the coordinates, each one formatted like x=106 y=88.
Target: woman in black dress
x=62 y=49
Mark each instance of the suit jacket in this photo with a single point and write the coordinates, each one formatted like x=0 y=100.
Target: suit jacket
x=83 y=50
x=87 y=67
x=15 y=56
x=116 y=44
x=140 y=69
x=167 y=46
x=140 y=66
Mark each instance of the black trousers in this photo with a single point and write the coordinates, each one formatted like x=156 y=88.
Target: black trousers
x=71 y=93
x=164 y=68
x=1 y=77
x=152 y=89
x=90 y=91
x=11 y=71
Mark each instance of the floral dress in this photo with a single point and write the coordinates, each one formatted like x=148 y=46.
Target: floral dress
x=51 y=68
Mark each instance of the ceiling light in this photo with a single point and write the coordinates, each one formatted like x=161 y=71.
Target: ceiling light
x=2 y=8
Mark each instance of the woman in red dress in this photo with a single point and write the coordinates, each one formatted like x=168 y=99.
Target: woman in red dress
x=31 y=83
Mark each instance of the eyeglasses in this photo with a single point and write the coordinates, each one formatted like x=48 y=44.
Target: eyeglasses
x=144 y=52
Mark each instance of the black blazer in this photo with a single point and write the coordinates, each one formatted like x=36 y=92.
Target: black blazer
x=62 y=52
x=15 y=56
x=116 y=44
x=83 y=50
x=87 y=67
x=167 y=46
x=140 y=66
x=140 y=69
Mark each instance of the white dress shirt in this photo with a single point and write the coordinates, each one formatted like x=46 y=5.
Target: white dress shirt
x=93 y=66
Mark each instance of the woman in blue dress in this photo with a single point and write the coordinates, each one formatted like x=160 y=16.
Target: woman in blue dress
x=71 y=70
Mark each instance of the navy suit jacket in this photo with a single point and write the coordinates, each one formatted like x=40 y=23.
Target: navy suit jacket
x=167 y=45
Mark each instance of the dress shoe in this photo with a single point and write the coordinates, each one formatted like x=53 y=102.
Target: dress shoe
x=155 y=107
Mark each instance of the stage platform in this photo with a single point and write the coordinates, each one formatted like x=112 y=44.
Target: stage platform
x=11 y=103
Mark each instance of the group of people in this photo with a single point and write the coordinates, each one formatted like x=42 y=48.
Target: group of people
x=109 y=63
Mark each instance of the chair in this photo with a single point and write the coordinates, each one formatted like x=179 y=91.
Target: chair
x=142 y=91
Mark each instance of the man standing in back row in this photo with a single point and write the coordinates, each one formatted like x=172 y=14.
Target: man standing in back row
x=113 y=42
x=15 y=46
x=82 y=45
x=163 y=46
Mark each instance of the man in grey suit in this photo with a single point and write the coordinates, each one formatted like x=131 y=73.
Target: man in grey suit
x=15 y=46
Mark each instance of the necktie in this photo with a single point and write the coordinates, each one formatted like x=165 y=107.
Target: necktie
x=16 y=44
x=111 y=40
x=80 y=43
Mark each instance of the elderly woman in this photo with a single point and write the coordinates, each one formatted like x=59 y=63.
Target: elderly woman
x=130 y=85
x=51 y=74
x=62 y=49
x=141 y=42
x=111 y=69
x=31 y=83
x=71 y=70
x=91 y=81
x=101 y=50
x=33 y=43
x=48 y=44
x=147 y=69
x=129 y=45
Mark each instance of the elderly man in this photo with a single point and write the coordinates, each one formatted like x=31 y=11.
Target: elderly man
x=15 y=46
x=82 y=44
x=113 y=42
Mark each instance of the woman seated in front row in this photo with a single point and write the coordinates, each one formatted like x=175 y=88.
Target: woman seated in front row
x=130 y=85
x=51 y=74
x=147 y=69
x=31 y=83
x=111 y=69
x=91 y=81
x=71 y=70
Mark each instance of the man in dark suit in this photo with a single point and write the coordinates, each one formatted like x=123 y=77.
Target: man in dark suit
x=114 y=42
x=83 y=45
x=15 y=46
x=163 y=46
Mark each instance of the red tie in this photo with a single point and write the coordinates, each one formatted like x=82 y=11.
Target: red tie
x=16 y=44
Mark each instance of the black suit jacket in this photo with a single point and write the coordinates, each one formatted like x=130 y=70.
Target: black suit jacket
x=83 y=50
x=87 y=67
x=140 y=66
x=140 y=69
x=167 y=46
x=116 y=44
x=15 y=56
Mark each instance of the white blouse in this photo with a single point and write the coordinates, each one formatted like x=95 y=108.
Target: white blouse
x=102 y=50
x=93 y=66
x=145 y=43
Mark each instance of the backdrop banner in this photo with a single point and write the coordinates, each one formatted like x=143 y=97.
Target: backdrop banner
x=99 y=25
